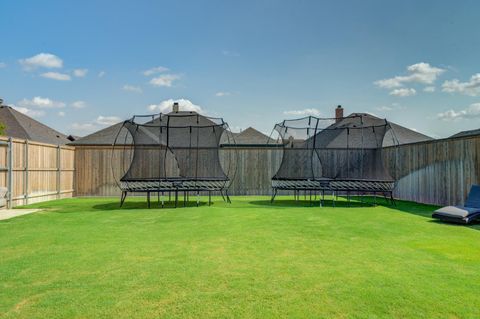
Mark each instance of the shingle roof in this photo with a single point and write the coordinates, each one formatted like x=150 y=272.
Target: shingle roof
x=105 y=136
x=466 y=133
x=108 y=135
x=402 y=134
x=251 y=136
x=19 y=125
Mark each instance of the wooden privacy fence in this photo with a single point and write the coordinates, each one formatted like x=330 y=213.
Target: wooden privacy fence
x=35 y=172
x=97 y=170
x=435 y=172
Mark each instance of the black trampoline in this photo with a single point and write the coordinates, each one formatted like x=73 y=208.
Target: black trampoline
x=170 y=155
x=342 y=156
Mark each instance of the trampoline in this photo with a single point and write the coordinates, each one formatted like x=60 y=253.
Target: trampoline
x=342 y=156
x=170 y=154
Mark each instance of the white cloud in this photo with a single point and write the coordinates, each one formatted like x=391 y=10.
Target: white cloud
x=166 y=106
x=80 y=73
x=79 y=104
x=131 y=88
x=403 y=92
x=304 y=112
x=56 y=76
x=429 y=89
x=3 y=65
x=384 y=108
x=41 y=102
x=101 y=74
x=471 y=87
x=220 y=94
x=42 y=60
x=471 y=112
x=61 y=114
x=155 y=70
x=107 y=120
x=99 y=123
x=83 y=128
x=419 y=73
x=164 y=80
x=28 y=111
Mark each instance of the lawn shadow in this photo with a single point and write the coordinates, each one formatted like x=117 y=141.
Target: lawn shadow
x=291 y=203
x=133 y=205
x=426 y=211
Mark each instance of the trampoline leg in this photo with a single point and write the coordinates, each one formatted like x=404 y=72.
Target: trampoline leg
x=148 y=199
x=198 y=198
x=228 y=197
x=158 y=198
x=273 y=195
x=122 y=198
x=393 y=199
x=169 y=196
x=163 y=204
x=209 y=198
x=348 y=199
x=184 y=198
x=223 y=197
x=333 y=198
x=176 y=198
x=374 y=199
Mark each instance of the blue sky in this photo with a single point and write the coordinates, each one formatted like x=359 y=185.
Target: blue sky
x=81 y=65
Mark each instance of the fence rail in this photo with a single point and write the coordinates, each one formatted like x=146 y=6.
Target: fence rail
x=35 y=172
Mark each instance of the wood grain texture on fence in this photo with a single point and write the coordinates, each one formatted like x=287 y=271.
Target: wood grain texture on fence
x=436 y=172
x=39 y=171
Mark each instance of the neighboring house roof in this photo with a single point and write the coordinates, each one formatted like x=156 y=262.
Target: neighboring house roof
x=19 y=125
x=251 y=136
x=466 y=133
x=108 y=135
x=105 y=136
x=402 y=134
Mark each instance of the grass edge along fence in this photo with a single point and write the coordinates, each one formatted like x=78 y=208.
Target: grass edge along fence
x=35 y=172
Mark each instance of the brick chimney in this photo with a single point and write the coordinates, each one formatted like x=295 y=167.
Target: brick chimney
x=176 y=107
x=338 y=113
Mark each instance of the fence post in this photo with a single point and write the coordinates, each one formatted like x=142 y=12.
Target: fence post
x=26 y=172
x=10 y=172
x=58 y=171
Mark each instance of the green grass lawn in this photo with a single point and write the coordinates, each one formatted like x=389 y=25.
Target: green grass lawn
x=86 y=258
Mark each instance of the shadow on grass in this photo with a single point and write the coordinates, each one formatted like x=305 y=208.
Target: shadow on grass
x=133 y=205
x=291 y=203
x=422 y=210
x=426 y=211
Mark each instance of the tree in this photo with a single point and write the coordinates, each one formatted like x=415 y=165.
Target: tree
x=2 y=128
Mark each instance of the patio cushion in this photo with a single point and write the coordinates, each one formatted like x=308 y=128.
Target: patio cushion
x=457 y=211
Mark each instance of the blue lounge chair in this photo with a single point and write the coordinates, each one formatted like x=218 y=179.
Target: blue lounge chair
x=462 y=214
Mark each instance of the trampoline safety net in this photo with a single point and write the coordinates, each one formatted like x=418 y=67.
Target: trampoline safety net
x=334 y=154
x=170 y=153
